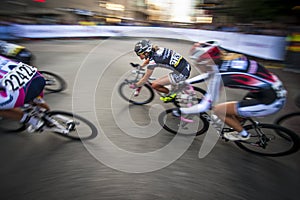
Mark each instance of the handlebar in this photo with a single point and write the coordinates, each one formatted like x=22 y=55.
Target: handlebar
x=134 y=65
x=138 y=66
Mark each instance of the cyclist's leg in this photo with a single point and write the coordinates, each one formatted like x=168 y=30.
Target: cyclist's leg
x=160 y=83
x=228 y=113
x=14 y=114
x=8 y=101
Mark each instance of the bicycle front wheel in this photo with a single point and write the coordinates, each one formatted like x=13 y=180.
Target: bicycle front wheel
x=275 y=140
x=194 y=124
x=79 y=127
x=143 y=96
x=54 y=83
x=290 y=121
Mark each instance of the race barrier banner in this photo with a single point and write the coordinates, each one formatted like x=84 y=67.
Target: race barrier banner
x=261 y=46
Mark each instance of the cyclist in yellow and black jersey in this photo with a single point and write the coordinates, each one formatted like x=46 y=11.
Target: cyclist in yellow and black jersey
x=154 y=57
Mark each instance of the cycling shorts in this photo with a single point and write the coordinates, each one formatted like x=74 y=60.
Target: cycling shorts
x=176 y=77
x=258 y=104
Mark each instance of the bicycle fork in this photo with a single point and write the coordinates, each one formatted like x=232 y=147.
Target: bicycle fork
x=65 y=128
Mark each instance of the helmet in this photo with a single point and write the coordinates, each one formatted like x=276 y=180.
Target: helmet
x=205 y=50
x=143 y=46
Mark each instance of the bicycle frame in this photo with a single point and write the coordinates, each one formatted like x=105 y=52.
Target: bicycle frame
x=218 y=125
x=50 y=123
x=187 y=92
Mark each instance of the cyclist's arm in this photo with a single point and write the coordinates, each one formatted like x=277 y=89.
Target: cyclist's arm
x=198 y=79
x=145 y=63
x=214 y=84
x=145 y=78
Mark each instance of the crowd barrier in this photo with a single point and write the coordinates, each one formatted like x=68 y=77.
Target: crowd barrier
x=261 y=46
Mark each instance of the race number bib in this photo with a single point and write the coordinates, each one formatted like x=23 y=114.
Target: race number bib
x=18 y=77
x=175 y=59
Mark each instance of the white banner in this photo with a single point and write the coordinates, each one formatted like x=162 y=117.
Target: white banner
x=266 y=47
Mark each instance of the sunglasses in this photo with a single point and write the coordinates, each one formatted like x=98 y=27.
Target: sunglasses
x=138 y=54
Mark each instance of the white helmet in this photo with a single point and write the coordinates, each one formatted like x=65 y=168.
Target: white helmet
x=205 y=50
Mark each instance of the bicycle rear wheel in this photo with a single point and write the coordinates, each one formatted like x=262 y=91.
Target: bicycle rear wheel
x=290 y=121
x=54 y=83
x=175 y=125
x=82 y=129
x=145 y=95
x=276 y=141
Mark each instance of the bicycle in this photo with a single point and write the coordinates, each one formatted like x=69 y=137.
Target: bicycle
x=145 y=94
x=65 y=124
x=266 y=139
x=54 y=82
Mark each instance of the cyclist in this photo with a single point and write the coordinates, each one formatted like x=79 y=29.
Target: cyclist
x=20 y=84
x=154 y=57
x=266 y=94
x=16 y=52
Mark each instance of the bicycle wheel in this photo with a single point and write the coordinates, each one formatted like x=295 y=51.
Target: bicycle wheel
x=290 y=121
x=11 y=126
x=197 y=126
x=276 y=141
x=181 y=102
x=54 y=83
x=83 y=129
x=146 y=94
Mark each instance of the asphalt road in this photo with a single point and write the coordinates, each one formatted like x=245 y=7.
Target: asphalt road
x=128 y=160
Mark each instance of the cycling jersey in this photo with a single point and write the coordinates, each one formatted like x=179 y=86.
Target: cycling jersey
x=169 y=59
x=19 y=83
x=266 y=92
x=247 y=74
x=266 y=95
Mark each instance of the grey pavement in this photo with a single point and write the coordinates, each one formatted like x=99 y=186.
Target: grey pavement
x=46 y=166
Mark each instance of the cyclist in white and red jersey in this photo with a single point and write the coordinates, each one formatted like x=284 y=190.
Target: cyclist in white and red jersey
x=20 y=84
x=266 y=93
x=154 y=57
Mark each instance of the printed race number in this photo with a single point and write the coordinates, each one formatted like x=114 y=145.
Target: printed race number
x=175 y=59
x=18 y=77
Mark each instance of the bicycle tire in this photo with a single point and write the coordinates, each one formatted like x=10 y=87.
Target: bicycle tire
x=11 y=126
x=145 y=96
x=283 y=137
x=290 y=121
x=54 y=82
x=200 y=93
x=198 y=127
x=77 y=134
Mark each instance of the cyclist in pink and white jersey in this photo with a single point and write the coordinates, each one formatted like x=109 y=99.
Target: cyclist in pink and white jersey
x=20 y=84
x=266 y=93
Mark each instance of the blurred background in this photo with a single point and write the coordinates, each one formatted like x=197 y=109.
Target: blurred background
x=271 y=17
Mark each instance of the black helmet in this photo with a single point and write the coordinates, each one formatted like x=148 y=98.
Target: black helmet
x=143 y=46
